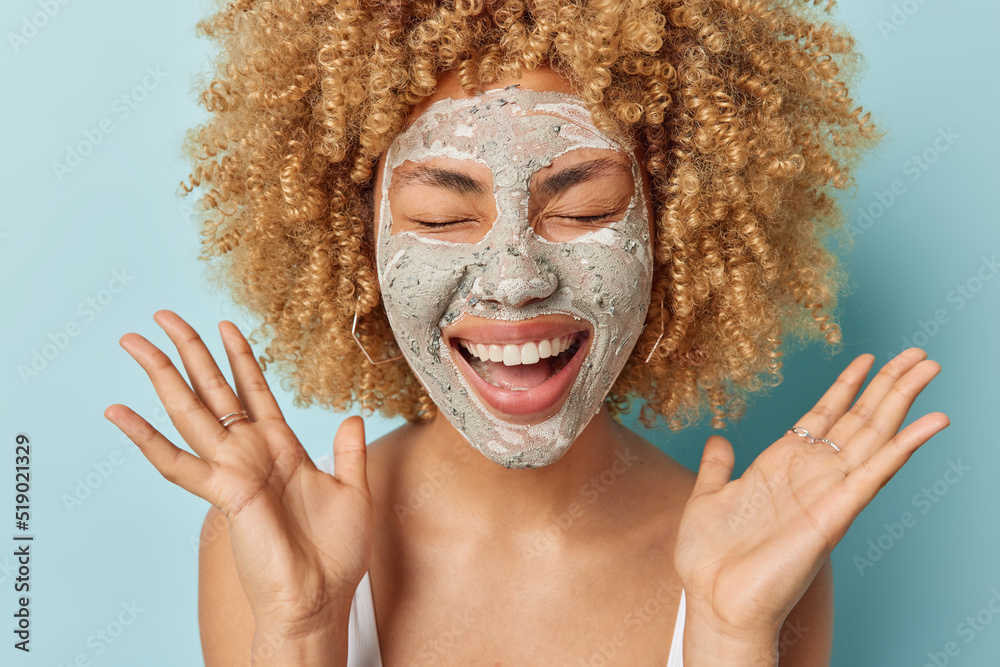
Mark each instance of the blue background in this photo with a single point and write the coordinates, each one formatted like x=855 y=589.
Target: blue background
x=132 y=540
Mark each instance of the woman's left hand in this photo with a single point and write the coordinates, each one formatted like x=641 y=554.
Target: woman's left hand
x=747 y=549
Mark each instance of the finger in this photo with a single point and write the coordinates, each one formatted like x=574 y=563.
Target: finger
x=207 y=380
x=865 y=481
x=845 y=427
x=176 y=465
x=350 y=455
x=716 y=467
x=251 y=386
x=838 y=398
x=891 y=412
x=199 y=427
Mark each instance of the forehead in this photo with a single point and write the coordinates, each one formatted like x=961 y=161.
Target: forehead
x=511 y=131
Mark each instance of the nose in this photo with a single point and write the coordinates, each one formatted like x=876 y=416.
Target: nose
x=514 y=278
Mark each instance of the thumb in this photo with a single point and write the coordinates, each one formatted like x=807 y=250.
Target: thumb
x=350 y=456
x=716 y=468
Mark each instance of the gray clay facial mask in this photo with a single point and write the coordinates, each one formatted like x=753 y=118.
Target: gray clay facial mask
x=509 y=317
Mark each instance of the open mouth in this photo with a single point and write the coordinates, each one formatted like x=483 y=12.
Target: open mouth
x=521 y=367
x=522 y=378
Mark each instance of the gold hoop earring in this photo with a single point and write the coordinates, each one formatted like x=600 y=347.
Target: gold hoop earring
x=354 y=335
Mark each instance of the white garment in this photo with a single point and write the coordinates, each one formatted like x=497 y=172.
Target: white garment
x=362 y=633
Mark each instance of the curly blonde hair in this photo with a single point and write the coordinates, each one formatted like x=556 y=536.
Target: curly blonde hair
x=742 y=108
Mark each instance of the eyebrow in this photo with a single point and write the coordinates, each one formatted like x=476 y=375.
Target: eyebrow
x=552 y=185
x=567 y=178
x=452 y=180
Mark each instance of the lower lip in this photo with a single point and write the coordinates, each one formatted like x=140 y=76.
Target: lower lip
x=528 y=401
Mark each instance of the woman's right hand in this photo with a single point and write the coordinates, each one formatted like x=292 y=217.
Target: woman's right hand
x=301 y=538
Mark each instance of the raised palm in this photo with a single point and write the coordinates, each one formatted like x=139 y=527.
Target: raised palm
x=301 y=538
x=747 y=549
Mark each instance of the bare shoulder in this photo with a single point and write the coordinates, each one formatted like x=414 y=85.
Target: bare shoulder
x=664 y=474
x=390 y=452
x=399 y=437
x=806 y=637
x=225 y=618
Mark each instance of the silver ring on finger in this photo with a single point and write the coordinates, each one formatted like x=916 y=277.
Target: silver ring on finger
x=798 y=430
x=233 y=417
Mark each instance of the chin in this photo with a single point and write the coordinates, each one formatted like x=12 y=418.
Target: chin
x=521 y=391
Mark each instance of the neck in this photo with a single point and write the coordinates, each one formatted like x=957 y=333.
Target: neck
x=452 y=479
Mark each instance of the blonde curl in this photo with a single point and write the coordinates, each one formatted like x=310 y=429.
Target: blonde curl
x=742 y=108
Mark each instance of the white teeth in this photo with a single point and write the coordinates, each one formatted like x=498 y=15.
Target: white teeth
x=511 y=355
x=516 y=355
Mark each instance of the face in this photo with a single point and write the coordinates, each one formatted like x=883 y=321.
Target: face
x=515 y=263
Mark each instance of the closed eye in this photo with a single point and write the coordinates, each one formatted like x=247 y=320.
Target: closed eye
x=446 y=223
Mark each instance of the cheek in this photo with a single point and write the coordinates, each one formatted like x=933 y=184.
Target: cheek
x=612 y=281
x=420 y=280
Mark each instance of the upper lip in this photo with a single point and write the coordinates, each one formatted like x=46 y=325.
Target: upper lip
x=503 y=332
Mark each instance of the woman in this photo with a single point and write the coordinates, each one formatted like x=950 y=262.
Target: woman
x=548 y=208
